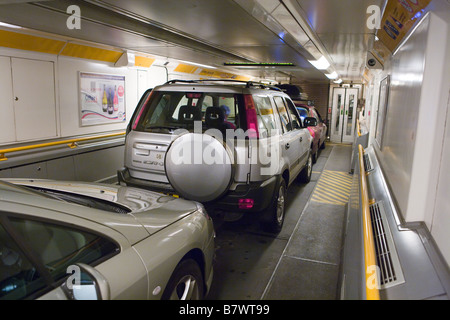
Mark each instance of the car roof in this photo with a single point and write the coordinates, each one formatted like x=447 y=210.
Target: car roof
x=219 y=84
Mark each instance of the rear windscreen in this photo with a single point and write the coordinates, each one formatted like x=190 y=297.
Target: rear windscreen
x=168 y=111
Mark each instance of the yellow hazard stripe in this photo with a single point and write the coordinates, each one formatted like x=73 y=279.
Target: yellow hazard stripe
x=333 y=187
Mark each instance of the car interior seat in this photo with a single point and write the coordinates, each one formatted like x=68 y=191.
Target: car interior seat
x=189 y=114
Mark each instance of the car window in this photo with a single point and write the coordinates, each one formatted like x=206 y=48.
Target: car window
x=18 y=276
x=284 y=116
x=181 y=110
x=266 y=117
x=296 y=123
x=303 y=113
x=317 y=115
x=57 y=247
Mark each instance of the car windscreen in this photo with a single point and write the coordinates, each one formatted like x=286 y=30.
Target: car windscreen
x=83 y=200
x=167 y=111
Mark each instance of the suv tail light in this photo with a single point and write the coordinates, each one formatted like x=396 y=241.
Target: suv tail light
x=143 y=107
x=246 y=203
x=252 y=117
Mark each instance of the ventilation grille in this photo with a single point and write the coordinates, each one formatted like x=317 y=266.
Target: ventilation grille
x=387 y=259
x=367 y=163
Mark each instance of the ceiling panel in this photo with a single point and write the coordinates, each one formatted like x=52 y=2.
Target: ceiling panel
x=341 y=27
x=211 y=31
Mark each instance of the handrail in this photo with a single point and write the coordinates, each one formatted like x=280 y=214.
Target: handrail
x=71 y=143
x=358 y=128
x=370 y=263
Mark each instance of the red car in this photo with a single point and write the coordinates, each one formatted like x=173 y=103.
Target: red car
x=319 y=132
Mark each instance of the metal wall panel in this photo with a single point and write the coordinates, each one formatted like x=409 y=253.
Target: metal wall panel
x=399 y=137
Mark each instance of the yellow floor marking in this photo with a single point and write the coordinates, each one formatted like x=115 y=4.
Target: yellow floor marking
x=333 y=187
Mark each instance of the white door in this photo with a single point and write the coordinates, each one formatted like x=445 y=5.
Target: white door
x=343 y=118
x=34 y=99
x=8 y=130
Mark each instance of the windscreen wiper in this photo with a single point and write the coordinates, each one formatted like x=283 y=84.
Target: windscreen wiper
x=162 y=127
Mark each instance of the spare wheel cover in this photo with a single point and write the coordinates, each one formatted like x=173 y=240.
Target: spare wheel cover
x=199 y=167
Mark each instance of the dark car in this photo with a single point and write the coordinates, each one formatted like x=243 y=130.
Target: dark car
x=319 y=132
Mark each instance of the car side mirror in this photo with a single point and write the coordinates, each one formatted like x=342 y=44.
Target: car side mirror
x=86 y=283
x=310 y=122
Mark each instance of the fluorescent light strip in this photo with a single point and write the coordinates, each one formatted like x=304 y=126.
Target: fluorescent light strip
x=321 y=64
x=198 y=64
x=4 y=24
x=332 y=75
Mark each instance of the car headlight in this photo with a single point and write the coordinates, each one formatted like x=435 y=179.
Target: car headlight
x=201 y=209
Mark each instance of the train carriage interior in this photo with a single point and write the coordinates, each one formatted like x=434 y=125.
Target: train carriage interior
x=97 y=95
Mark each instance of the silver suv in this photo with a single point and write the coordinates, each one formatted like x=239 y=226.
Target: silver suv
x=234 y=146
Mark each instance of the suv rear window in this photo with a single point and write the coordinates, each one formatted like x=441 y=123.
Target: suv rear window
x=165 y=111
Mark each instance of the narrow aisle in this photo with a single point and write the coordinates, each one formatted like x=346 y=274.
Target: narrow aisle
x=309 y=265
x=251 y=264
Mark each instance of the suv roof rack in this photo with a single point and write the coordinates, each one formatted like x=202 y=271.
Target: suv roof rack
x=248 y=84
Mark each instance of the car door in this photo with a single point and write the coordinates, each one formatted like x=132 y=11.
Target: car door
x=42 y=254
x=322 y=128
x=304 y=137
x=291 y=138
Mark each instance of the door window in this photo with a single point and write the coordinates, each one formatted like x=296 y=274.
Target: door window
x=266 y=117
x=284 y=116
x=57 y=247
x=295 y=120
x=18 y=276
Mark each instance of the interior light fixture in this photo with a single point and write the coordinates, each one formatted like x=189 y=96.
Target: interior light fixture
x=339 y=81
x=321 y=64
x=4 y=24
x=332 y=75
x=198 y=64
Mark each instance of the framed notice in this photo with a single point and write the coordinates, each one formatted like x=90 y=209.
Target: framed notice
x=102 y=99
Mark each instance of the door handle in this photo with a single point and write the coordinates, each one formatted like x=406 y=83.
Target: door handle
x=287 y=146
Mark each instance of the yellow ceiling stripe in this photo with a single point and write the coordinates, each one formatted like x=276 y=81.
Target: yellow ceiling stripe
x=185 y=68
x=86 y=52
x=21 y=41
x=143 y=61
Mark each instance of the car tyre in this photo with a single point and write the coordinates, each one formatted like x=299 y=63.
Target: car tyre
x=305 y=175
x=186 y=282
x=276 y=212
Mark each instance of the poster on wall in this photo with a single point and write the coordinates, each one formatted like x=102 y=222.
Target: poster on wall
x=102 y=98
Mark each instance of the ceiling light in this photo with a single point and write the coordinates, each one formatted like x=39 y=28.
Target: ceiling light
x=332 y=75
x=4 y=24
x=198 y=64
x=321 y=64
x=338 y=81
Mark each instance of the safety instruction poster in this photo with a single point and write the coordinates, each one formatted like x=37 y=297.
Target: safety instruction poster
x=102 y=98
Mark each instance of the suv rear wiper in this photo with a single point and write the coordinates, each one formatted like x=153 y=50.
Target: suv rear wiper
x=162 y=127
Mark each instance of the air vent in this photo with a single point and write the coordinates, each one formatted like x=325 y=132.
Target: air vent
x=387 y=259
x=367 y=163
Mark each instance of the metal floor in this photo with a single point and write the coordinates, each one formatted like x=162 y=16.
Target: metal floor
x=302 y=261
